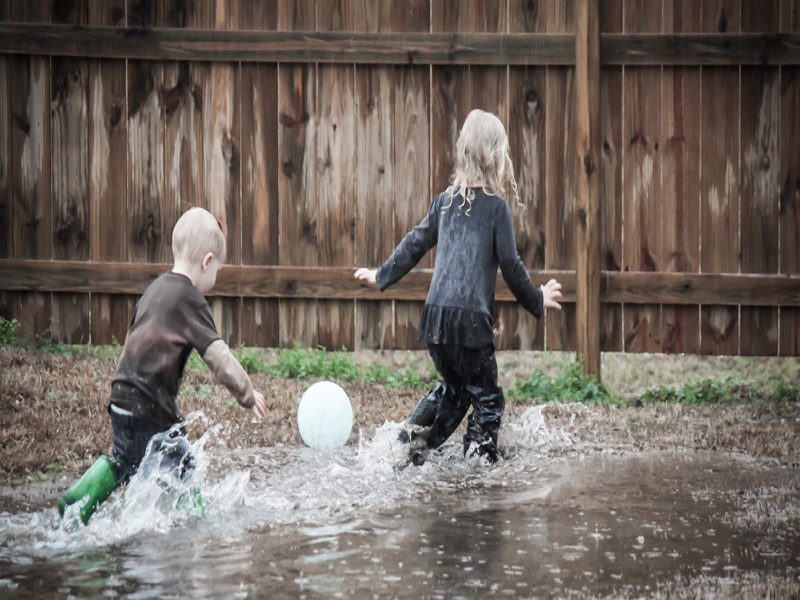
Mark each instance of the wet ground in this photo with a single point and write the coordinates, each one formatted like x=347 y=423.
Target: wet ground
x=557 y=517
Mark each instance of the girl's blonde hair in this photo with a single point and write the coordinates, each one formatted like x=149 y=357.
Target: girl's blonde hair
x=482 y=157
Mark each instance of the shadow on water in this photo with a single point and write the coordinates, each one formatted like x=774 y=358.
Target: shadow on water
x=550 y=520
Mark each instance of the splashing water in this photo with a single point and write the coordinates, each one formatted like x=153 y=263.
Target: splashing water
x=281 y=485
x=283 y=521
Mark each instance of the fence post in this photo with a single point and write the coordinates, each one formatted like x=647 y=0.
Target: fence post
x=587 y=109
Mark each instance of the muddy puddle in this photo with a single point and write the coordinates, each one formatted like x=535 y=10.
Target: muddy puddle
x=551 y=520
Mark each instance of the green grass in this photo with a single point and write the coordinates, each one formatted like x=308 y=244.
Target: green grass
x=722 y=391
x=570 y=386
x=304 y=363
x=9 y=331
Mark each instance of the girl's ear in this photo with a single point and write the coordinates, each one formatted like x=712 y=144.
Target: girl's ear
x=207 y=260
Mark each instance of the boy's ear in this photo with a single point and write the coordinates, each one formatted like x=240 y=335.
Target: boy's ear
x=207 y=260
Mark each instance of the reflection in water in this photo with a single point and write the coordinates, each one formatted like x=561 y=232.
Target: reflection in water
x=547 y=521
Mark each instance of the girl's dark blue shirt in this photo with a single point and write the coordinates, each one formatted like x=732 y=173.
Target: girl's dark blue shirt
x=470 y=247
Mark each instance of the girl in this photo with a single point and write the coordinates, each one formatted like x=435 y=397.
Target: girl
x=471 y=224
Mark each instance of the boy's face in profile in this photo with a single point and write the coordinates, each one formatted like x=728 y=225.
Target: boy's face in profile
x=208 y=273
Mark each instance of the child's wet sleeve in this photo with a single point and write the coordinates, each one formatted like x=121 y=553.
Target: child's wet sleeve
x=411 y=249
x=514 y=271
x=201 y=329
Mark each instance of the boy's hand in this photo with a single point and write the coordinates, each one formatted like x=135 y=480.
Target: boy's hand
x=552 y=293
x=259 y=406
x=367 y=275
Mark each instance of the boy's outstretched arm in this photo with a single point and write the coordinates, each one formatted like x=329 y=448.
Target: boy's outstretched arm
x=231 y=374
x=408 y=253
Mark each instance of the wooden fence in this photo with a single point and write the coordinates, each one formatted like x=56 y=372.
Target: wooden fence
x=318 y=131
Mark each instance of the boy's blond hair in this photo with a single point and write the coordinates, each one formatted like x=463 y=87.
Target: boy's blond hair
x=197 y=233
x=482 y=155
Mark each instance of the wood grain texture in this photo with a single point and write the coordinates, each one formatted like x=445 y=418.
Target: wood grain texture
x=275 y=281
x=560 y=193
x=297 y=184
x=70 y=188
x=108 y=168
x=469 y=15
x=336 y=193
x=26 y=219
x=680 y=178
x=221 y=154
x=587 y=108
x=642 y=194
x=375 y=198
x=259 y=165
x=6 y=158
x=611 y=13
x=518 y=329
x=789 y=213
x=719 y=203
x=412 y=170
x=760 y=186
x=343 y=47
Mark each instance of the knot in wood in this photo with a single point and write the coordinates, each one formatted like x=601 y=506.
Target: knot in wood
x=588 y=164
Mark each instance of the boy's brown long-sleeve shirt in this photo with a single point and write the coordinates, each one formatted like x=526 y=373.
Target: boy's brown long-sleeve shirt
x=171 y=319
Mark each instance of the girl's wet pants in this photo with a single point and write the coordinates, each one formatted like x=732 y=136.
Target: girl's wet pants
x=469 y=378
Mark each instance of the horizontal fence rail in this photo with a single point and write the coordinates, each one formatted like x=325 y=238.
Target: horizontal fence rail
x=394 y=48
x=338 y=283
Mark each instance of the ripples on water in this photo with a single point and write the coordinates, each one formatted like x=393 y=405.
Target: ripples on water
x=348 y=522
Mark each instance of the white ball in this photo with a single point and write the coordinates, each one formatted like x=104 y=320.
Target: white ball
x=325 y=416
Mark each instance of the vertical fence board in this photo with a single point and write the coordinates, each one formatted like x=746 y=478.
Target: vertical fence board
x=336 y=192
x=610 y=193
x=297 y=184
x=412 y=168
x=70 y=183
x=641 y=160
x=411 y=15
x=374 y=223
x=297 y=15
x=108 y=167
x=108 y=170
x=148 y=227
x=375 y=195
x=680 y=179
x=222 y=177
x=221 y=153
x=6 y=158
x=259 y=110
x=719 y=187
x=297 y=202
x=28 y=174
x=469 y=15
x=259 y=121
x=789 y=181
x=560 y=211
x=526 y=128
x=760 y=188
x=560 y=331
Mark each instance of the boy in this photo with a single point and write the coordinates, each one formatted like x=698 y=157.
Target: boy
x=171 y=319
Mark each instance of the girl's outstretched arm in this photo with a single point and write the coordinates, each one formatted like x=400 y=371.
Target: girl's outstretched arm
x=408 y=252
x=514 y=272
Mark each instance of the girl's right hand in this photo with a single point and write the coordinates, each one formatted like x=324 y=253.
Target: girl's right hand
x=552 y=293
x=367 y=275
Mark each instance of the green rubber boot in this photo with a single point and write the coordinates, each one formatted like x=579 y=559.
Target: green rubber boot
x=96 y=483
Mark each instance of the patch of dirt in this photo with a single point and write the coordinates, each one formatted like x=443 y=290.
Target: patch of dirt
x=53 y=414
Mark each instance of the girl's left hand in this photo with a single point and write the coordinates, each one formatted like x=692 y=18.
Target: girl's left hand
x=552 y=294
x=367 y=275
